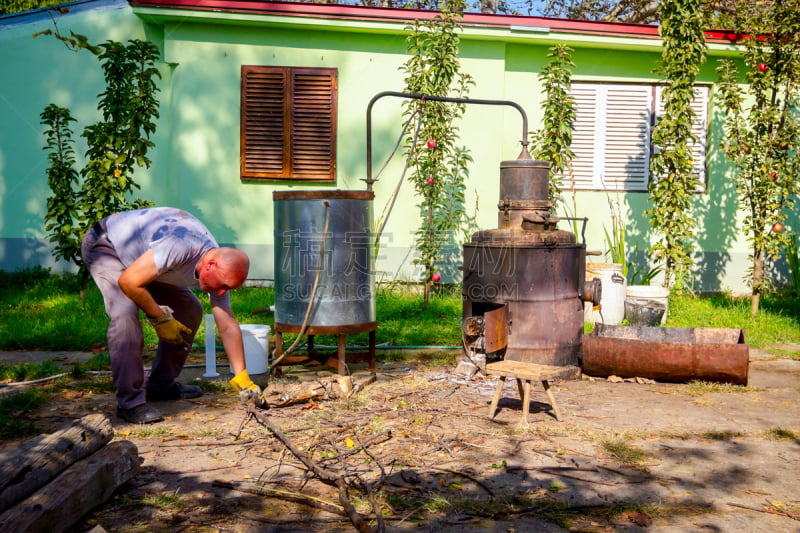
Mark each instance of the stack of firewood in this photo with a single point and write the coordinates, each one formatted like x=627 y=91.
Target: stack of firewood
x=49 y=482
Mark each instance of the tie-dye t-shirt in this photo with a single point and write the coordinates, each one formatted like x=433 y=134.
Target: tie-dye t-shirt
x=178 y=241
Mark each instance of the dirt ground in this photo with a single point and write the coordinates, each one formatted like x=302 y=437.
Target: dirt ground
x=421 y=439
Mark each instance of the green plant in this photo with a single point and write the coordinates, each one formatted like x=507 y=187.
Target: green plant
x=99 y=361
x=615 y=244
x=623 y=452
x=673 y=180
x=615 y=240
x=438 y=166
x=164 y=500
x=793 y=259
x=642 y=275
x=722 y=435
x=117 y=144
x=762 y=130
x=781 y=434
x=552 y=142
x=701 y=388
x=151 y=432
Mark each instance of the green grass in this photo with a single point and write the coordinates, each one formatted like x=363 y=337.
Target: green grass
x=40 y=311
x=28 y=371
x=45 y=313
x=623 y=452
x=13 y=424
x=781 y=434
x=778 y=321
x=722 y=435
x=701 y=388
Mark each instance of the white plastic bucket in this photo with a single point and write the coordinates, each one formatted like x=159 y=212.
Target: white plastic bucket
x=650 y=292
x=256 y=347
x=612 y=300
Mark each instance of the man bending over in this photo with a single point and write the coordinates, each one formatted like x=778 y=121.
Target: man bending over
x=148 y=259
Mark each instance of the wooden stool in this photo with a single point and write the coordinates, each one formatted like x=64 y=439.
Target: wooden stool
x=524 y=373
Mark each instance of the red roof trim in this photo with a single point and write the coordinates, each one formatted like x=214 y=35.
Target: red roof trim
x=406 y=15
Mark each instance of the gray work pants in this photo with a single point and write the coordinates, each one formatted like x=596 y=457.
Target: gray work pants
x=125 y=338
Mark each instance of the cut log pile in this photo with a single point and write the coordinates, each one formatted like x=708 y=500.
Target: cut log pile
x=48 y=483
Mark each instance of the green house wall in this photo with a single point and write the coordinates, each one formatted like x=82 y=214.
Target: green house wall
x=196 y=159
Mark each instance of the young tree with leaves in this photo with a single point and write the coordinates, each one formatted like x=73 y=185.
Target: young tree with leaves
x=438 y=166
x=762 y=132
x=673 y=181
x=552 y=142
x=118 y=144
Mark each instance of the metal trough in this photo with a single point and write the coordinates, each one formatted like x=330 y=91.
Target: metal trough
x=667 y=354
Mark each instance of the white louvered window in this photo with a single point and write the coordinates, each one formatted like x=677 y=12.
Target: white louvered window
x=611 y=137
x=699 y=128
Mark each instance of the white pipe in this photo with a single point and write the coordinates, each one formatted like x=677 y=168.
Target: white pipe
x=211 y=349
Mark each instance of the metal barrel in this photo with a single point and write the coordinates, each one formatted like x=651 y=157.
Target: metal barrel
x=667 y=354
x=541 y=286
x=341 y=257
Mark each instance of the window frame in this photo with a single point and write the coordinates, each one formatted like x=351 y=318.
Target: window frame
x=288 y=123
x=595 y=154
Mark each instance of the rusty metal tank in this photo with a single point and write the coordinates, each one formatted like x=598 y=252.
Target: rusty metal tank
x=524 y=282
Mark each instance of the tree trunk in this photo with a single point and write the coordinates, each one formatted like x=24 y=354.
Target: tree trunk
x=428 y=266
x=758 y=276
x=667 y=272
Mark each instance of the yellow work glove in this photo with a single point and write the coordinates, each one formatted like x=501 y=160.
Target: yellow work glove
x=247 y=389
x=167 y=328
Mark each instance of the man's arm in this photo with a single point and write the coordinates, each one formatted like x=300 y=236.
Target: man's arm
x=231 y=335
x=135 y=278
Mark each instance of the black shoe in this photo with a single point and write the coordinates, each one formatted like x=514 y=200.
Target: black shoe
x=174 y=392
x=141 y=414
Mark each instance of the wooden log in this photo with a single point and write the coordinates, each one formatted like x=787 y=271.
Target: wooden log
x=329 y=388
x=76 y=491
x=31 y=465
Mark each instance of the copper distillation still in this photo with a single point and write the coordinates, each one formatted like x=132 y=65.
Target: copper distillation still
x=525 y=282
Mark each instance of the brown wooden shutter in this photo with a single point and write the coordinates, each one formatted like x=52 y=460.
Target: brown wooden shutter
x=288 y=123
x=313 y=125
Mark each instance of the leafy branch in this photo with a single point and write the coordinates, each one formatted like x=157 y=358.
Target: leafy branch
x=438 y=166
x=673 y=180
x=117 y=145
x=762 y=130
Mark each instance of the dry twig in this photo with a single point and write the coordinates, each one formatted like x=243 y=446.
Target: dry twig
x=324 y=475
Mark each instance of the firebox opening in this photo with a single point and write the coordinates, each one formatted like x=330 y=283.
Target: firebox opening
x=486 y=330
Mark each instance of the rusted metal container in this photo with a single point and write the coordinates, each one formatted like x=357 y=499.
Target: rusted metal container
x=531 y=271
x=717 y=355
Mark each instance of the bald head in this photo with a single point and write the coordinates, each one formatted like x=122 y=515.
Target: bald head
x=234 y=261
x=223 y=269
